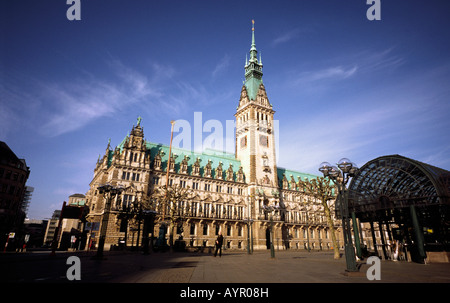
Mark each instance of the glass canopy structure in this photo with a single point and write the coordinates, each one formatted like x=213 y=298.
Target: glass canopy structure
x=411 y=198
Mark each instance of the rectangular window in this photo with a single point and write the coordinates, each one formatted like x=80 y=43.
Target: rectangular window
x=205 y=229
x=218 y=211
x=194 y=209
x=230 y=190
x=240 y=212
x=192 y=229
x=180 y=207
x=217 y=229
x=206 y=210
x=229 y=211
x=127 y=200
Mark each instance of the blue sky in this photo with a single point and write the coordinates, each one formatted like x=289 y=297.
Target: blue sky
x=341 y=85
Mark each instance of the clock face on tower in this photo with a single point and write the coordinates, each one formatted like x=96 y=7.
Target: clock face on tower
x=263 y=140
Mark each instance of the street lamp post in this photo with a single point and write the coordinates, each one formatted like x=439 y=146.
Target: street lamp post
x=340 y=176
x=308 y=227
x=270 y=210
x=149 y=215
x=249 y=226
x=249 y=236
x=168 y=167
x=110 y=192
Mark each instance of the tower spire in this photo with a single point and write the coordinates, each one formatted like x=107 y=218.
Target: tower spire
x=253 y=51
x=253 y=69
x=253 y=34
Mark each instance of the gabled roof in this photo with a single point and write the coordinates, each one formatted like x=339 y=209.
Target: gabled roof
x=288 y=173
x=215 y=157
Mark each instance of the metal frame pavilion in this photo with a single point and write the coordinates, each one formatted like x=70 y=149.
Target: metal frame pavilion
x=409 y=198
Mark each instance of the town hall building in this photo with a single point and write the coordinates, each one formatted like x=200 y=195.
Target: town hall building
x=244 y=195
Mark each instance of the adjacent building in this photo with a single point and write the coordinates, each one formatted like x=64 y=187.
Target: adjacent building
x=34 y=231
x=70 y=234
x=51 y=228
x=27 y=199
x=14 y=173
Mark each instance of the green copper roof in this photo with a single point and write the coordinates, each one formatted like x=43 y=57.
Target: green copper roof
x=288 y=173
x=252 y=86
x=253 y=70
x=110 y=156
x=120 y=146
x=209 y=155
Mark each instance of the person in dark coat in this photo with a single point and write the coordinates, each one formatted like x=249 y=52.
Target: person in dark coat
x=219 y=242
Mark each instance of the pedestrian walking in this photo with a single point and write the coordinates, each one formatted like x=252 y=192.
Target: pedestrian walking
x=219 y=242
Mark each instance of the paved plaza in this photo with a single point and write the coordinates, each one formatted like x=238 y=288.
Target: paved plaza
x=286 y=267
x=232 y=267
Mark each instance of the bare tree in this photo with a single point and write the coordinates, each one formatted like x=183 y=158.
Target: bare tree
x=133 y=213
x=323 y=190
x=174 y=199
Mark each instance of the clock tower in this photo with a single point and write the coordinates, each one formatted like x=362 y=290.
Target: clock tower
x=255 y=140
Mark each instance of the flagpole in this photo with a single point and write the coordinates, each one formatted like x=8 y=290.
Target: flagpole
x=168 y=168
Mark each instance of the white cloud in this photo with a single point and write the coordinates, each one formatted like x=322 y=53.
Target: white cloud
x=222 y=65
x=407 y=117
x=74 y=106
x=329 y=137
x=69 y=106
x=341 y=68
x=335 y=72
x=7 y=120
x=371 y=61
x=288 y=36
